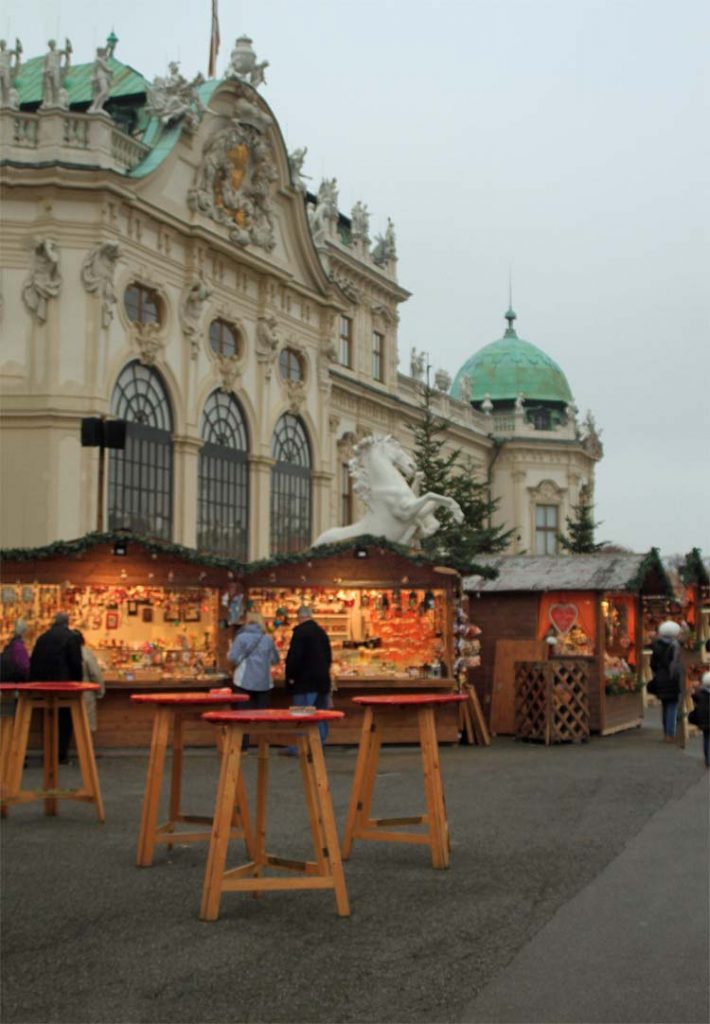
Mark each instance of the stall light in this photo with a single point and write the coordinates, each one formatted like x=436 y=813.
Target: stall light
x=120 y=548
x=360 y=551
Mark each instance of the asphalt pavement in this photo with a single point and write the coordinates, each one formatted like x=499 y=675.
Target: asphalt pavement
x=577 y=892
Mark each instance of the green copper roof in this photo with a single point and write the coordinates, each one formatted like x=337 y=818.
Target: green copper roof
x=126 y=81
x=509 y=366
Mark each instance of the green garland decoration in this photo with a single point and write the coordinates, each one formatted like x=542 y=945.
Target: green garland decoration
x=62 y=548
x=614 y=689
x=651 y=563
x=693 y=569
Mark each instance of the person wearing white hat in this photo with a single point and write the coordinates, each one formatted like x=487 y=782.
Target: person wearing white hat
x=668 y=679
x=700 y=715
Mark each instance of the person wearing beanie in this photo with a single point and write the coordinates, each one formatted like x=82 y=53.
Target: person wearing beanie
x=700 y=715
x=56 y=658
x=15 y=657
x=668 y=679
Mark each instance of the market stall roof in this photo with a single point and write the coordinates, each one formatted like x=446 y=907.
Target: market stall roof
x=693 y=569
x=601 y=571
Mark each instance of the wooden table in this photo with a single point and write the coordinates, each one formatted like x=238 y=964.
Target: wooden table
x=359 y=824
x=171 y=712
x=326 y=871
x=49 y=697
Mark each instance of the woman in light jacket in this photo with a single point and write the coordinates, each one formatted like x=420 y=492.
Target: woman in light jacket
x=91 y=674
x=253 y=652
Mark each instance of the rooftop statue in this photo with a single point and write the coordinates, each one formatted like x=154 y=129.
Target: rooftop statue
x=53 y=75
x=385 y=248
x=323 y=218
x=417 y=361
x=360 y=222
x=442 y=379
x=101 y=78
x=9 y=96
x=243 y=64
x=387 y=483
x=296 y=161
x=173 y=97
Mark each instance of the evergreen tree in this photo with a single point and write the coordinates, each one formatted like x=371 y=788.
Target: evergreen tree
x=581 y=526
x=450 y=474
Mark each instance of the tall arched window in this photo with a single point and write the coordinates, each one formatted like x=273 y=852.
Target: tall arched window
x=140 y=478
x=290 y=487
x=223 y=497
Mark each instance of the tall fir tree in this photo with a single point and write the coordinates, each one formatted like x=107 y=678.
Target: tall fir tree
x=579 y=539
x=450 y=474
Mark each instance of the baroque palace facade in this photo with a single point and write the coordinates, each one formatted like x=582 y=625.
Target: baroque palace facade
x=163 y=263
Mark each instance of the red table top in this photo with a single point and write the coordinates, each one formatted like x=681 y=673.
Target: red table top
x=279 y=715
x=49 y=687
x=408 y=699
x=189 y=698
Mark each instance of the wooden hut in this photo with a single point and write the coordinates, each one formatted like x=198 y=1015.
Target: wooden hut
x=591 y=606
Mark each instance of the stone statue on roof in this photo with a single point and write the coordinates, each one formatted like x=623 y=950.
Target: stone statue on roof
x=385 y=249
x=101 y=79
x=54 y=74
x=360 y=222
x=323 y=219
x=243 y=64
x=295 y=162
x=9 y=96
x=173 y=98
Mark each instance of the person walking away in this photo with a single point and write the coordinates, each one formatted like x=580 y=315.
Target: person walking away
x=91 y=673
x=56 y=658
x=668 y=678
x=308 y=666
x=253 y=652
x=700 y=715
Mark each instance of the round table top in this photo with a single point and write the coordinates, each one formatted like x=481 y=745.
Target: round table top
x=49 y=687
x=280 y=716
x=190 y=698
x=409 y=699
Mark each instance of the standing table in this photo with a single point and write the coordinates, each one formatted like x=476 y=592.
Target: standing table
x=49 y=697
x=171 y=712
x=326 y=872
x=359 y=824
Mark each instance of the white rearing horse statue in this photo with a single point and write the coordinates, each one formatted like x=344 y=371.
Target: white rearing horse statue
x=381 y=469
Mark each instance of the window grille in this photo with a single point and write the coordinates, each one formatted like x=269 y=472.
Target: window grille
x=345 y=346
x=223 y=479
x=546 y=529
x=378 y=356
x=290 y=487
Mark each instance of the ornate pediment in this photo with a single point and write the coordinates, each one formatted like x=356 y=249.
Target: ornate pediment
x=234 y=182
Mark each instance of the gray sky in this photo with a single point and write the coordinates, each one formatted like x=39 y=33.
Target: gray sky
x=565 y=138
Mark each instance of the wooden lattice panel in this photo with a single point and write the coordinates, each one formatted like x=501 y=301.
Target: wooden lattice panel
x=531 y=701
x=570 y=704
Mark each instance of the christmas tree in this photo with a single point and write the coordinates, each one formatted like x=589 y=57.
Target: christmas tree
x=581 y=526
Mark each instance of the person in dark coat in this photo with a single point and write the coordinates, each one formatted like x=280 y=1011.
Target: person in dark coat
x=700 y=715
x=308 y=666
x=56 y=658
x=668 y=676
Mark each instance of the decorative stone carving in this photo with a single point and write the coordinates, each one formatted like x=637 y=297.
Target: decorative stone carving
x=486 y=404
x=192 y=302
x=101 y=79
x=296 y=390
x=385 y=250
x=442 y=379
x=386 y=481
x=233 y=185
x=229 y=369
x=97 y=272
x=591 y=439
x=173 y=98
x=54 y=74
x=148 y=341
x=323 y=218
x=267 y=342
x=360 y=223
x=417 y=364
x=295 y=162
x=45 y=280
x=346 y=286
x=9 y=96
x=520 y=403
x=389 y=316
x=243 y=64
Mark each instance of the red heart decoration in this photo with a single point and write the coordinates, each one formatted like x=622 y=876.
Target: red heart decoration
x=563 y=616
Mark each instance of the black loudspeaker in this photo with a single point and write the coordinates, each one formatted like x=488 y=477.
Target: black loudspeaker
x=114 y=433
x=92 y=432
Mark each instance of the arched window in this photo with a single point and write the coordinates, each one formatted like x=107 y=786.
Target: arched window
x=290 y=487
x=225 y=339
x=223 y=495
x=143 y=305
x=140 y=478
x=290 y=365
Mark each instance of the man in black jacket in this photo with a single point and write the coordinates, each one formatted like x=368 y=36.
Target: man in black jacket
x=56 y=658
x=308 y=665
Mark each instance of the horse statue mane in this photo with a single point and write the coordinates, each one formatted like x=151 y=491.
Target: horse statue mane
x=386 y=481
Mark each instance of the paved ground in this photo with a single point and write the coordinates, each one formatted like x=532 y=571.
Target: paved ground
x=578 y=892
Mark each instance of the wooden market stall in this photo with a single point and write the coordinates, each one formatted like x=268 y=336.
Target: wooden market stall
x=162 y=617
x=594 y=607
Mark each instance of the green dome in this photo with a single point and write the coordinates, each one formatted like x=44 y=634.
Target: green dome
x=509 y=366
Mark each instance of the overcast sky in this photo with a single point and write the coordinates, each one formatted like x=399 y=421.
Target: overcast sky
x=567 y=139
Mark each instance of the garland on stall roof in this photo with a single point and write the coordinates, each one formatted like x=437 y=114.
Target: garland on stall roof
x=651 y=562
x=693 y=569
x=61 y=548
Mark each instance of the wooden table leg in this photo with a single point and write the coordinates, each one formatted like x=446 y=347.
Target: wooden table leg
x=332 y=851
x=176 y=772
x=310 y=789
x=262 y=777
x=153 y=784
x=362 y=772
x=85 y=753
x=6 y=724
x=51 y=750
x=221 y=822
x=436 y=812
